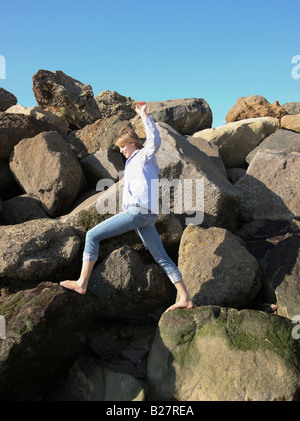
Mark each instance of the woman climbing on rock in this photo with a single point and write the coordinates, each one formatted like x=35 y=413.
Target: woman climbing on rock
x=140 y=209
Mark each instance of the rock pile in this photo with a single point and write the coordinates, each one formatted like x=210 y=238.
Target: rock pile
x=235 y=236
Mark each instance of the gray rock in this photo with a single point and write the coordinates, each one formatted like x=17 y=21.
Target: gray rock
x=221 y=354
x=237 y=139
x=45 y=330
x=282 y=276
x=130 y=289
x=281 y=140
x=22 y=208
x=210 y=150
x=46 y=167
x=57 y=120
x=38 y=250
x=112 y=103
x=62 y=93
x=102 y=164
x=180 y=161
x=15 y=127
x=262 y=236
x=186 y=116
x=216 y=267
x=234 y=174
x=100 y=135
x=292 y=107
x=89 y=381
x=7 y=99
x=269 y=188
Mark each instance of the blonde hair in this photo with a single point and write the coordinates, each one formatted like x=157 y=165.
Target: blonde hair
x=128 y=136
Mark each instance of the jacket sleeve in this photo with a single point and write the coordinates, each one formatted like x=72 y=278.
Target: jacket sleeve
x=153 y=139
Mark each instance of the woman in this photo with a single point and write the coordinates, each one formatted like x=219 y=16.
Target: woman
x=140 y=209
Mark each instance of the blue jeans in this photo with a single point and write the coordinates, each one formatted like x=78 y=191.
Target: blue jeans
x=133 y=218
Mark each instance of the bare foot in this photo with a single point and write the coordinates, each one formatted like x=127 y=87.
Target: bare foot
x=74 y=286
x=182 y=303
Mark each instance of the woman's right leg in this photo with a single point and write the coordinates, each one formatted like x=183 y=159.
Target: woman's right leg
x=116 y=225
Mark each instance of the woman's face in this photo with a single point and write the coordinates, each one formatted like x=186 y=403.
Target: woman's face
x=128 y=149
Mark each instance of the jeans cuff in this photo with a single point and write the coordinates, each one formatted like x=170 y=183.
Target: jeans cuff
x=88 y=257
x=175 y=276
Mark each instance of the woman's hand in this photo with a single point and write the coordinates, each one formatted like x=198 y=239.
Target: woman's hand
x=141 y=109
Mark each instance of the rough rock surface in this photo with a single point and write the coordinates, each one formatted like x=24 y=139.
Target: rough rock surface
x=102 y=164
x=269 y=187
x=15 y=127
x=37 y=250
x=217 y=268
x=291 y=122
x=186 y=116
x=58 y=120
x=282 y=280
x=179 y=160
x=46 y=167
x=22 y=208
x=291 y=107
x=7 y=99
x=45 y=330
x=281 y=140
x=89 y=381
x=254 y=106
x=128 y=287
x=236 y=140
x=112 y=103
x=220 y=354
x=75 y=100
x=97 y=136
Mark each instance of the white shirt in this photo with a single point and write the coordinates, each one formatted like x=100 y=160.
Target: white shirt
x=141 y=183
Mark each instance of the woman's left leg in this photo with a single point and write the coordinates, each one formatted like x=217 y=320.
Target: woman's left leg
x=153 y=243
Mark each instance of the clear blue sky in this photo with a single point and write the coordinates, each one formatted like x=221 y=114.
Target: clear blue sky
x=156 y=50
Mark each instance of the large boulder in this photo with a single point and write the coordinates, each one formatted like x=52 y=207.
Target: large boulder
x=22 y=208
x=128 y=288
x=209 y=193
x=217 y=268
x=68 y=96
x=56 y=119
x=269 y=188
x=112 y=103
x=186 y=116
x=236 y=140
x=15 y=127
x=45 y=166
x=275 y=244
x=281 y=140
x=100 y=135
x=262 y=236
x=291 y=107
x=38 y=250
x=210 y=150
x=254 y=106
x=291 y=122
x=88 y=380
x=7 y=99
x=104 y=163
x=121 y=346
x=45 y=330
x=222 y=354
x=282 y=276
